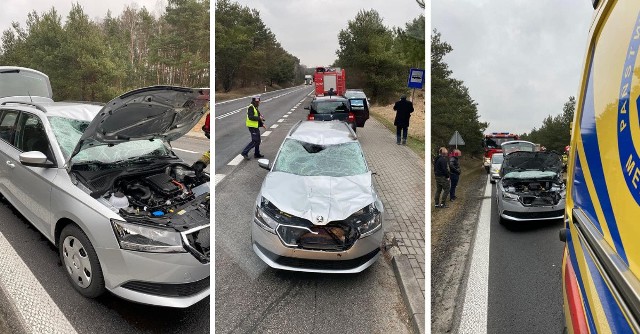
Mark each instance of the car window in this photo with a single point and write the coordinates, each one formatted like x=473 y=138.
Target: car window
x=300 y=158
x=31 y=135
x=328 y=107
x=8 y=125
x=497 y=158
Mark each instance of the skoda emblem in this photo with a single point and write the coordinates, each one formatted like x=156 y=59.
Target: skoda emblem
x=319 y=219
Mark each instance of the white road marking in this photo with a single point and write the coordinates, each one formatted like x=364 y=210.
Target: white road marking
x=289 y=113
x=183 y=150
x=274 y=126
x=476 y=299
x=36 y=311
x=246 y=97
x=266 y=133
x=285 y=116
x=236 y=160
x=293 y=109
x=280 y=120
x=229 y=113
x=219 y=178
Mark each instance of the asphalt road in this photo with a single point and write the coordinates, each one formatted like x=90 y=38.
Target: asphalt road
x=107 y=314
x=250 y=296
x=525 y=291
x=231 y=132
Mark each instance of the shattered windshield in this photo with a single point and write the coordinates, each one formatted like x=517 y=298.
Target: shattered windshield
x=328 y=107
x=68 y=133
x=300 y=158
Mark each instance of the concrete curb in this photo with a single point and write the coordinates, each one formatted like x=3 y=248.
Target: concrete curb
x=411 y=293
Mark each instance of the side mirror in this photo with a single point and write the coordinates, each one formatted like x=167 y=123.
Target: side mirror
x=264 y=163
x=35 y=159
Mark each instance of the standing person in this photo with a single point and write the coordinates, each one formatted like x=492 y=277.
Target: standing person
x=454 y=167
x=254 y=122
x=403 y=110
x=331 y=92
x=441 y=171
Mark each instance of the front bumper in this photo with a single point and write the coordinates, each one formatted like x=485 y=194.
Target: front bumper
x=516 y=211
x=364 y=252
x=172 y=280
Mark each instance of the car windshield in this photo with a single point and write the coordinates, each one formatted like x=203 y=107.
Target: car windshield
x=68 y=132
x=23 y=83
x=328 y=107
x=301 y=158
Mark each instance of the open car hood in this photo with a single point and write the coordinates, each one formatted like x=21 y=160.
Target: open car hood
x=523 y=161
x=157 y=112
x=312 y=197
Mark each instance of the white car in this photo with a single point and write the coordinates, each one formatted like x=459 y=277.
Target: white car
x=494 y=168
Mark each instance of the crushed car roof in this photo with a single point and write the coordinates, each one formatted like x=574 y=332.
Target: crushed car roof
x=323 y=133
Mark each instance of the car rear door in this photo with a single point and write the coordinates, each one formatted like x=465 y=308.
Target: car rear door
x=360 y=107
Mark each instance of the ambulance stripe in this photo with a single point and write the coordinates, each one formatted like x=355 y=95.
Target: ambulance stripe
x=593 y=160
x=580 y=194
x=576 y=269
x=615 y=318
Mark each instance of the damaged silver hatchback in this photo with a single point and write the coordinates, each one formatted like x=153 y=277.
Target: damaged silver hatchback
x=103 y=184
x=531 y=187
x=317 y=210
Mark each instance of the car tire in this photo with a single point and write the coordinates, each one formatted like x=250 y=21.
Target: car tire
x=80 y=262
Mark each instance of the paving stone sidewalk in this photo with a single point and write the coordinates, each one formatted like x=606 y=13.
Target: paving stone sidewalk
x=400 y=182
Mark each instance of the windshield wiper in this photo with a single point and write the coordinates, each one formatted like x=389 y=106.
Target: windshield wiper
x=146 y=158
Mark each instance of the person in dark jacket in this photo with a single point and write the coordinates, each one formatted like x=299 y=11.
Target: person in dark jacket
x=442 y=174
x=403 y=110
x=254 y=122
x=454 y=167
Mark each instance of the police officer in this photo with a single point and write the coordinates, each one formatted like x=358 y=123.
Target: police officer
x=254 y=122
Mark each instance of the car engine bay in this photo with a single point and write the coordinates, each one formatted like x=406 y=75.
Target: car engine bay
x=174 y=195
x=535 y=192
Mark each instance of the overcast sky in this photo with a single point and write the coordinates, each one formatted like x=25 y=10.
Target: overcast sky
x=308 y=29
x=521 y=59
x=17 y=10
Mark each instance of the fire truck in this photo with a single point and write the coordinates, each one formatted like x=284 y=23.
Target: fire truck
x=492 y=144
x=326 y=78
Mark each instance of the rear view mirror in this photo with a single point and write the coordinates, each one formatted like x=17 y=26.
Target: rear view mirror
x=264 y=163
x=34 y=159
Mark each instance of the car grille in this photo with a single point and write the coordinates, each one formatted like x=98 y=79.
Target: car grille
x=335 y=236
x=199 y=244
x=168 y=290
x=318 y=264
x=534 y=215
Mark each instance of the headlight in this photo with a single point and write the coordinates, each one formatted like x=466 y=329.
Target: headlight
x=510 y=196
x=372 y=220
x=144 y=238
x=487 y=160
x=263 y=219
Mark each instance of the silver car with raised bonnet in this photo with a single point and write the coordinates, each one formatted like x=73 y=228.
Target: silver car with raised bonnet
x=102 y=183
x=531 y=187
x=317 y=210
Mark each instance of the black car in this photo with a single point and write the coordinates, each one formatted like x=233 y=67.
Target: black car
x=354 y=111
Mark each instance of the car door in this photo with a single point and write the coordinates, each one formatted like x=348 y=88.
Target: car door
x=30 y=187
x=360 y=108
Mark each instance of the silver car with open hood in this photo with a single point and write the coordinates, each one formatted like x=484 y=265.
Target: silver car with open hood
x=102 y=183
x=317 y=210
x=531 y=187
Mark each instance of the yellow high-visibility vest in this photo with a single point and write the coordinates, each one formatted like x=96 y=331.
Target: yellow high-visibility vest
x=250 y=123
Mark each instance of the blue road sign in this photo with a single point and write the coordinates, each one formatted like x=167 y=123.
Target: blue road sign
x=416 y=78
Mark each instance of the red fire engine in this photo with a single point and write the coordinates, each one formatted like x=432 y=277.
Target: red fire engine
x=492 y=144
x=326 y=78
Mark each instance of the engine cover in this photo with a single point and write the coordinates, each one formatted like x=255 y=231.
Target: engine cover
x=162 y=183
